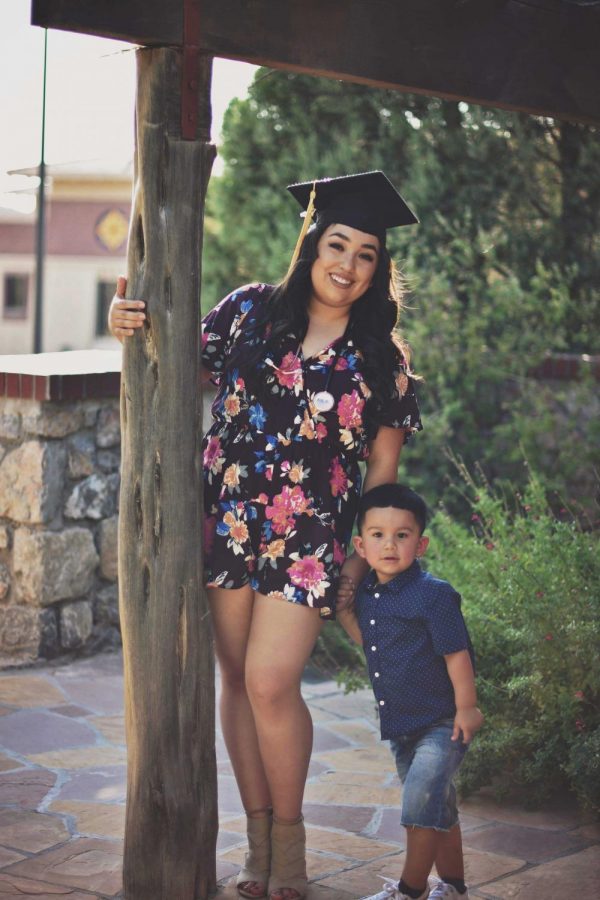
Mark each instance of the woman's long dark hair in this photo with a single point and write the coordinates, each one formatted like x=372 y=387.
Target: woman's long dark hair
x=373 y=321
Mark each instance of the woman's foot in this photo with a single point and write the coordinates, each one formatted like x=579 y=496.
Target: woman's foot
x=288 y=861
x=253 y=878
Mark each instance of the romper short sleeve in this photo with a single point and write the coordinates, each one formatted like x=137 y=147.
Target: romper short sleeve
x=402 y=411
x=222 y=326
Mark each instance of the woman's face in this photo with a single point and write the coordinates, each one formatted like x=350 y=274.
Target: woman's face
x=344 y=268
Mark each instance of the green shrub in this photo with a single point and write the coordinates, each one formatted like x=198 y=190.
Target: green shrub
x=530 y=582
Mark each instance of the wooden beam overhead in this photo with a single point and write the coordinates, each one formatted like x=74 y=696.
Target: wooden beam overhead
x=538 y=56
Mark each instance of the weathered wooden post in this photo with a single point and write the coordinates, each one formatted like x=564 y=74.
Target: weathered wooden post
x=171 y=822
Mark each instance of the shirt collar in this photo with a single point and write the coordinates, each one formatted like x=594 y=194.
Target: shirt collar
x=402 y=579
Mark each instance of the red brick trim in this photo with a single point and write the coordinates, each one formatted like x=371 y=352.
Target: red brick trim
x=60 y=387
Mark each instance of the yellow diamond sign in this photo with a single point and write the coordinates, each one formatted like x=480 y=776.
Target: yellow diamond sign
x=111 y=229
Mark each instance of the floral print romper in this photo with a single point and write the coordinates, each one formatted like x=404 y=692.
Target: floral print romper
x=281 y=479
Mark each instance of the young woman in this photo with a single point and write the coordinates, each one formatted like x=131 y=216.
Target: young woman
x=311 y=380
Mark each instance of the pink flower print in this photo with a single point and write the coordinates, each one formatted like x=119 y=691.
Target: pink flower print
x=338 y=480
x=349 y=410
x=341 y=363
x=212 y=456
x=308 y=573
x=401 y=383
x=321 y=432
x=289 y=373
x=289 y=503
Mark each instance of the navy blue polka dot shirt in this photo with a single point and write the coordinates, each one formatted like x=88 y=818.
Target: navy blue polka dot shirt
x=407 y=626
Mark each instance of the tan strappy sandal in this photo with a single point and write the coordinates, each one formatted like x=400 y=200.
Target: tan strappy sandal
x=288 y=858
x=257 y=864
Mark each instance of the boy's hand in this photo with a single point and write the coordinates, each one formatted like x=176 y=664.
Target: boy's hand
x=345 y=592
x=467 y=722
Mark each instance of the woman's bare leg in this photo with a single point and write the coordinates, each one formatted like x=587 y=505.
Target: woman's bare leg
x=282 y=636
x=232 y=612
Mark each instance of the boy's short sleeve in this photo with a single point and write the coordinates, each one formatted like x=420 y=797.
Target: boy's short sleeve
x=219 y=328
x=402 y=411
x=446 y=624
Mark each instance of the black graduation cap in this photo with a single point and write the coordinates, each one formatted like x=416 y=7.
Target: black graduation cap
x=367 y=201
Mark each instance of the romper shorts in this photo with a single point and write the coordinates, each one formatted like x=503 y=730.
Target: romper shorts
x=426 y=762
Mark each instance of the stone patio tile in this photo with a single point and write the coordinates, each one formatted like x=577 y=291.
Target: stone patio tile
x=101 y=665
x=94 y=819
x=34 y=731
x=481 y=867
x=316 y=768
x=353 y=706
x=227 y=839
x=590 y=832
x=353 y=819
x=390 y=829
x=31 y=831
x=13 y=887
x=358 y=731
x=315 y=892
x=4 y=710
x=317 y=688
x=564 y=815
x=324 y=739
x=361 y=759
x=531 y=844
x=571 y=876
x=363 y=779
x=352 y=795
x=350 y=845
x=104 y=695
x=467 y=822
x=85 y=863
x=237 y=825
x=321 y=715
x=71 y=710
x=84 y=758
x=7 y=857
x=111 y=727
x=108 y=785
x=28 y=691
x=224 y=767
x=364 y=880
x=229 y=796
x=7 y=763
x=26 y=787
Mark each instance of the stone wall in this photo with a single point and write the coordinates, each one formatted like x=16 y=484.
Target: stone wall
x=59 y=488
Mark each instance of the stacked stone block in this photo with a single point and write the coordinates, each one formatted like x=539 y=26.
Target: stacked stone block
x=59 y=484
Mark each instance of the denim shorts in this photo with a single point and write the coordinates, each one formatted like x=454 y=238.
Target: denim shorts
x=426 y=762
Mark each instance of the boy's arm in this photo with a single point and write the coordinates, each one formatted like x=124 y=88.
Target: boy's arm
x=347 y=619
x=468 y=718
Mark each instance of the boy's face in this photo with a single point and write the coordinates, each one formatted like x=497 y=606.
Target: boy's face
x=390 y=540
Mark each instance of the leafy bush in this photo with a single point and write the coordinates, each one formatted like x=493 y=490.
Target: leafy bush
x=530 y=581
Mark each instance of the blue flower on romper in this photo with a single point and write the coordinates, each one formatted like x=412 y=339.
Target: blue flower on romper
x=257 y=416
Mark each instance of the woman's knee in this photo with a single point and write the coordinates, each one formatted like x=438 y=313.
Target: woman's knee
x=233 y=676
x=268 y=687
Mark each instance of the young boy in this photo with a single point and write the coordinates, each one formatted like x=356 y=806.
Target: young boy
x=420 y=664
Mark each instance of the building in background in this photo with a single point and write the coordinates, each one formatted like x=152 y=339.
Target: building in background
x=86 y=236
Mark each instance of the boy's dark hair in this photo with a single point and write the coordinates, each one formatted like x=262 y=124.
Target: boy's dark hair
x=398 y=496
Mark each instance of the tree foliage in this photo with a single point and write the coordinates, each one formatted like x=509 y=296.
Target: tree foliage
x=504 y=266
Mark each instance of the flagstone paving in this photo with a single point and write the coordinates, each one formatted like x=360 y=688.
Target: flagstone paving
x=63 y=783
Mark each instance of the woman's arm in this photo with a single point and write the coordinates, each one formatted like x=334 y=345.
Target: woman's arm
x=384 y=456
x=469 y=718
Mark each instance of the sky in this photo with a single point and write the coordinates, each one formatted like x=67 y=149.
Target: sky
x=90 y=92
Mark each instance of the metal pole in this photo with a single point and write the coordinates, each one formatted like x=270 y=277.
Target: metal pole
x=41 y=222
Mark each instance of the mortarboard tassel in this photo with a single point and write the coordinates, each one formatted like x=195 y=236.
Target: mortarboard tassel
x=310 y=211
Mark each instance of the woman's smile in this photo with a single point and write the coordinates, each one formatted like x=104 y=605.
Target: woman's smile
x=345 y=266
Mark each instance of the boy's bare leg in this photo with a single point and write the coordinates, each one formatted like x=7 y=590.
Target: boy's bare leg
x=449 y=856
x=421 y=851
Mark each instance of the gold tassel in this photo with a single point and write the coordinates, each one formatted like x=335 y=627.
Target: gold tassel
x=310 y=211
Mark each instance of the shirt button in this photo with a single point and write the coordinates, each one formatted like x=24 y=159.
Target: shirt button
x=373 y=648
x=382 y=702
x=376 y=595
x=372 y=621
x=376 y=674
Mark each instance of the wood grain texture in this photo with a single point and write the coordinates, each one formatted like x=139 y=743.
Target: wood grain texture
x=171 y=821
x=534 y=55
